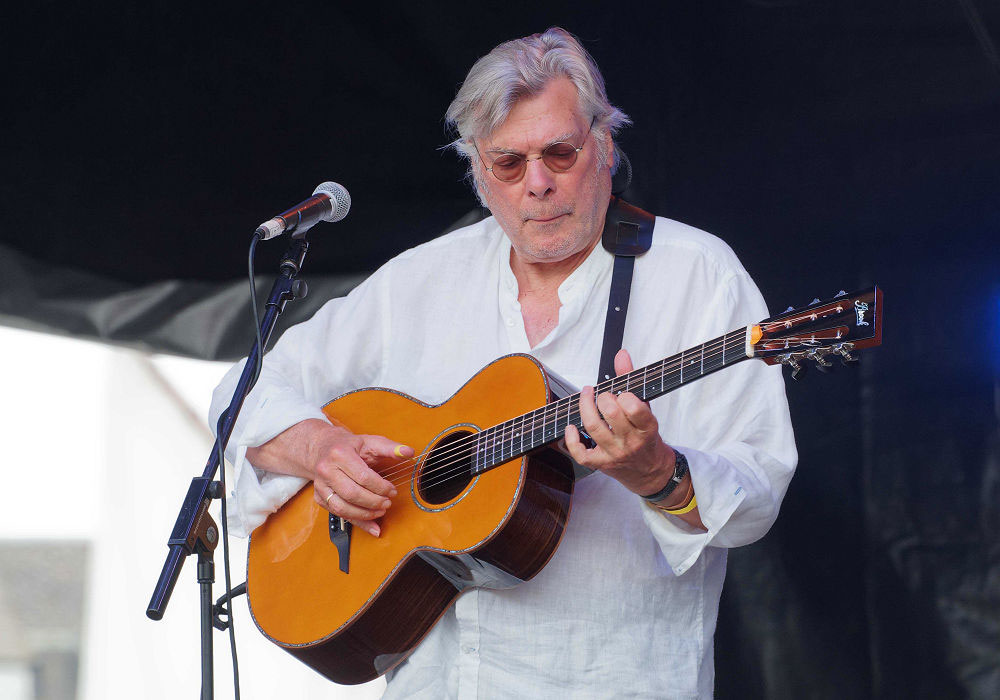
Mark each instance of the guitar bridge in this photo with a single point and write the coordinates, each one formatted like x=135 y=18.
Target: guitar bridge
x=340 y=535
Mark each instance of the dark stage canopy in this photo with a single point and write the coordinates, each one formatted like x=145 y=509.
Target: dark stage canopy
x=832 y=144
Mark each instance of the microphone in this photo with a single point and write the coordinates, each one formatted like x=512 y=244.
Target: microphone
x=330 y=202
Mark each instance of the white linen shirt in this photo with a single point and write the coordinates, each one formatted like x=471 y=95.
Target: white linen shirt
x=627 y=606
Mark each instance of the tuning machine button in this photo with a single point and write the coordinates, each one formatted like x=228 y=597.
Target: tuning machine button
x=797 y=368
x=841 y=293
x=844 y=350
x=818 y=356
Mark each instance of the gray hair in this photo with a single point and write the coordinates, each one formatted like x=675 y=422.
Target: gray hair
x=523 y=68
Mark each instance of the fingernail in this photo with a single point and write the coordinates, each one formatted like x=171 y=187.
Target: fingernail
x=386 y=504
x=374 y=531
x=393 y=493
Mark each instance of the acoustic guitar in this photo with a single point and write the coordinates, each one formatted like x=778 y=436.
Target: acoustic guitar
x=484 y=501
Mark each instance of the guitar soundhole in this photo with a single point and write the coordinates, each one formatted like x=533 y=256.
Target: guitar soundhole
x=447 y=469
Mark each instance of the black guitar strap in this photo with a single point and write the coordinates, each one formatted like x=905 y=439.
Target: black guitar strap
x=628 y=232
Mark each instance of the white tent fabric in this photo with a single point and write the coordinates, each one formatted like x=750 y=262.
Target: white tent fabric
x=127 y=444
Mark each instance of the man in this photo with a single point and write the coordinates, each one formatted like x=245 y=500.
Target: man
x=627 y=606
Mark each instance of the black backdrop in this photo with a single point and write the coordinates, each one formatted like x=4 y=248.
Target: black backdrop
x=832 y=144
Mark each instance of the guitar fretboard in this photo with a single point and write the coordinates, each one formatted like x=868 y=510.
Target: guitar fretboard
x=518 y=436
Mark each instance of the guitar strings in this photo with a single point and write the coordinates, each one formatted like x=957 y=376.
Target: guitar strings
x=567 y=402
x=669 y=365
x=465 y=448
x=455 y=467
x=564 y=409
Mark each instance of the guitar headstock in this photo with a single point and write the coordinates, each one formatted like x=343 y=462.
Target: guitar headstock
x=837 y=327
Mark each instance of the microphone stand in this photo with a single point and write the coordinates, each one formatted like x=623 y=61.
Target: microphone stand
x=195 y=531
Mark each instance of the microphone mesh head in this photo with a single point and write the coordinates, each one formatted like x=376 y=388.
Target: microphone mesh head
x=340 y=200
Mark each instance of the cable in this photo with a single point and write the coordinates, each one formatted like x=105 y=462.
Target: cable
x=225 y=562
x=222 y=470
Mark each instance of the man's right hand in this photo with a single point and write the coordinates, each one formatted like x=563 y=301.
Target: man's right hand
x=340 y=465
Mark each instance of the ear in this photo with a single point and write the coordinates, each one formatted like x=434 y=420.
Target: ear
x=609 y=147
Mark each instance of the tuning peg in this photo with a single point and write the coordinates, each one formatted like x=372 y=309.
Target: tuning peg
x=817 y=356
x=814 y=301
x=841 y=293
x=846 y=358
x=797 y=369
x=790 y=308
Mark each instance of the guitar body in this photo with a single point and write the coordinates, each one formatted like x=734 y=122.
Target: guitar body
x=440 y=537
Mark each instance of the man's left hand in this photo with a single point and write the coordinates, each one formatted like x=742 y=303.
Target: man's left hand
x=628 y=443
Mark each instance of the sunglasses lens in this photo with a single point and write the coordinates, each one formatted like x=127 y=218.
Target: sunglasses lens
x=508 y=167
x=559 y=157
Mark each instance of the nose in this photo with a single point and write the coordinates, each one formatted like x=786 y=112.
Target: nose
x=538 y=179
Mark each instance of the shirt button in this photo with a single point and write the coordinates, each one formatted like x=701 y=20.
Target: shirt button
x=468 y=650
x=510 y=322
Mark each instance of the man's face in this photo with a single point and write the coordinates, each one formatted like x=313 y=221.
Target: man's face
x=548 y=216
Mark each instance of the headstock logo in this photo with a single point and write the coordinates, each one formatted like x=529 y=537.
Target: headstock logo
x=859 y=308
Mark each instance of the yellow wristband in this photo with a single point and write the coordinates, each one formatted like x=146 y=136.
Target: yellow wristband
x=687 y=508
x=679 y=510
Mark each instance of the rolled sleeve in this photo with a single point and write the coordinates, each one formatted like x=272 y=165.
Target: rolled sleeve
x=735 y=506
x=298 y=377
x=256 y=493
x=734 y=429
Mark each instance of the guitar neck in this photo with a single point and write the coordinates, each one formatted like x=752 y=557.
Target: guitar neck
x=530 y=431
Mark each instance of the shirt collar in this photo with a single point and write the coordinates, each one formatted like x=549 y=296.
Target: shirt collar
x=575 y=287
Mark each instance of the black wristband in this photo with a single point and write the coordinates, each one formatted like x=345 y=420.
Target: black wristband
x=680 y=470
